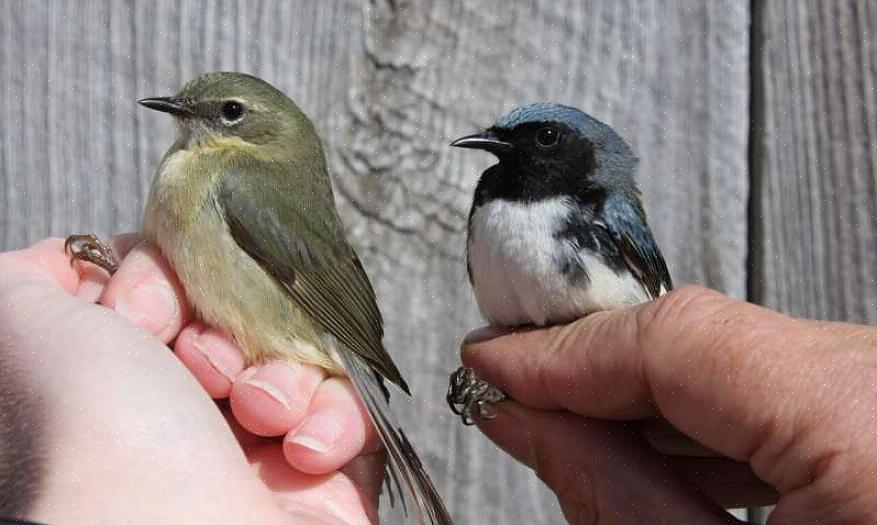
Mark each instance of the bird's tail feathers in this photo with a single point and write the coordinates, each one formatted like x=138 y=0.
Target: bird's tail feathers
x=406 y=473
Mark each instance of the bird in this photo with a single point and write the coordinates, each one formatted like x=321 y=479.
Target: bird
x=242 y=208
x=557 y=229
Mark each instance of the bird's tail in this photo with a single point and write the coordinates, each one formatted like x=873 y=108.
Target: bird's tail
x=405 y=470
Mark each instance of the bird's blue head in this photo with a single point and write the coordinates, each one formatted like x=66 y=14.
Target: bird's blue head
x=547 y=146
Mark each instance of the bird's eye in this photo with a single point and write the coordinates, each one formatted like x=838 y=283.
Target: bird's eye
x=547 y=137
x=232 y=110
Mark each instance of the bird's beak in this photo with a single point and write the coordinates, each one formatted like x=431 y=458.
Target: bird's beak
x=167 y=105
x=486 y=140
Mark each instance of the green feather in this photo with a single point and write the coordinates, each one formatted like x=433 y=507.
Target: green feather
x=294 y=233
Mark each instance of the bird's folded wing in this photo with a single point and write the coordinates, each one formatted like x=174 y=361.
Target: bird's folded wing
x=295 y=235
x=626 y=223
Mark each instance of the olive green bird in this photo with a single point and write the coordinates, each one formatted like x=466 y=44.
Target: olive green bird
x=242 y=208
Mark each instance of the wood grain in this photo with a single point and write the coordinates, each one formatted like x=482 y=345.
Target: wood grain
x=389 y=84
x=814 y=238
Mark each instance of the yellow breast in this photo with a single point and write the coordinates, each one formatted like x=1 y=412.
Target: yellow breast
x=227 y=288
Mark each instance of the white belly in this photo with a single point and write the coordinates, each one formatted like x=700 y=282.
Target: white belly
x=515 y=260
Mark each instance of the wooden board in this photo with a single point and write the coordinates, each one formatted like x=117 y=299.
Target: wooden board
x=814 y=172
x=389 y=85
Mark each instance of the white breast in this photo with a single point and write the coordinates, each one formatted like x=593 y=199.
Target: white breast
x=515 y=260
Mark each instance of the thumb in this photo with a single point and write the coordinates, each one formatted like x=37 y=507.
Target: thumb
x=704 y=362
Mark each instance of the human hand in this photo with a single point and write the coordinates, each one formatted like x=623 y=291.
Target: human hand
x=106 y=426
x=790 y=404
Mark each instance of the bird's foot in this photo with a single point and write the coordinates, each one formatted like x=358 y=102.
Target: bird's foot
x=468 y=395
x=90 y=248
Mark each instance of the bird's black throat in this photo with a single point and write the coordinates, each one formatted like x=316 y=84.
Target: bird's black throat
x=519 y=179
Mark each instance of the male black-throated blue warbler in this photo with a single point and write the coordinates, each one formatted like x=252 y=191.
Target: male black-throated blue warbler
x=556 y=230
x=242 y=208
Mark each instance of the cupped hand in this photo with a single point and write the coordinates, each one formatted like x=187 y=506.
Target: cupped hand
x=790 y=405
x=122 y=432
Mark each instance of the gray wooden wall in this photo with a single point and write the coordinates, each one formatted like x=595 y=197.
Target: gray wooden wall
x=755 y=126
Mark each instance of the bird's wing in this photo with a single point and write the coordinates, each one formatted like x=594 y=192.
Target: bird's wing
x=626 y=222
x=289 y=225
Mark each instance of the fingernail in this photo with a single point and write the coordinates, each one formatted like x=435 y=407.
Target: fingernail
x=319 y=432
x=485 y=333
x=152 y=306
x=213 y=347
x=261 y=380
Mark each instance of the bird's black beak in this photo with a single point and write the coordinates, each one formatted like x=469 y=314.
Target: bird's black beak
x=486 y=140
x=167 y=105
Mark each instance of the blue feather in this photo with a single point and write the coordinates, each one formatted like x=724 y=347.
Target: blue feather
x=551 y=112
x=625 y=220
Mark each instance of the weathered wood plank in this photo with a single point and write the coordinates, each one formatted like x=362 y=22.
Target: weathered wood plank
x=434 y=71
x=389 y=85
x=815 y=159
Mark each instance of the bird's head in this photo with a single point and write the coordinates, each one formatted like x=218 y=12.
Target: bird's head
x=548 y=141
x=223 y=107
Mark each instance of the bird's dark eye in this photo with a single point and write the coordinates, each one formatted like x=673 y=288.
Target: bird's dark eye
x=547 y=137
x=232 y=110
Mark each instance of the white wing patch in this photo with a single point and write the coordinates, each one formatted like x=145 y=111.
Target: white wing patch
x=516 y=260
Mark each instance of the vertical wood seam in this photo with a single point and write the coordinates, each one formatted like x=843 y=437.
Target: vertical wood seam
x=755 y=154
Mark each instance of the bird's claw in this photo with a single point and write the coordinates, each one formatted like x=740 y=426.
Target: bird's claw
x=468 y=395
x=90 y=248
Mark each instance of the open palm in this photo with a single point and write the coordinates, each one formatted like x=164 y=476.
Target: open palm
x=126 y=433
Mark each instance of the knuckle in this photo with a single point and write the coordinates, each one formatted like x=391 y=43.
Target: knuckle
x=676 y=324
x=568 y=358
x=688 y=300
x=543 y=371
x=679 y=309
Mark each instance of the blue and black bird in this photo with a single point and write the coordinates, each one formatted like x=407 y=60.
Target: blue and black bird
x=557 y=228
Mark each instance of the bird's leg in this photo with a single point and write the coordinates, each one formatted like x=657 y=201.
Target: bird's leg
x=90 y=248
x=466 y=393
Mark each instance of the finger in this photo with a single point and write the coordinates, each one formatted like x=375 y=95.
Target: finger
x=336 y=430
x=590 y=366
x=706 y=363
x=664 y=438
x=248 y=441
x=93 y=279
x=270 y=400
x=731 y=484
x=365 y=471
x=628 y=364
x=595 y=467
x=213 y=359
x=48 y=262
x=145 y=290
